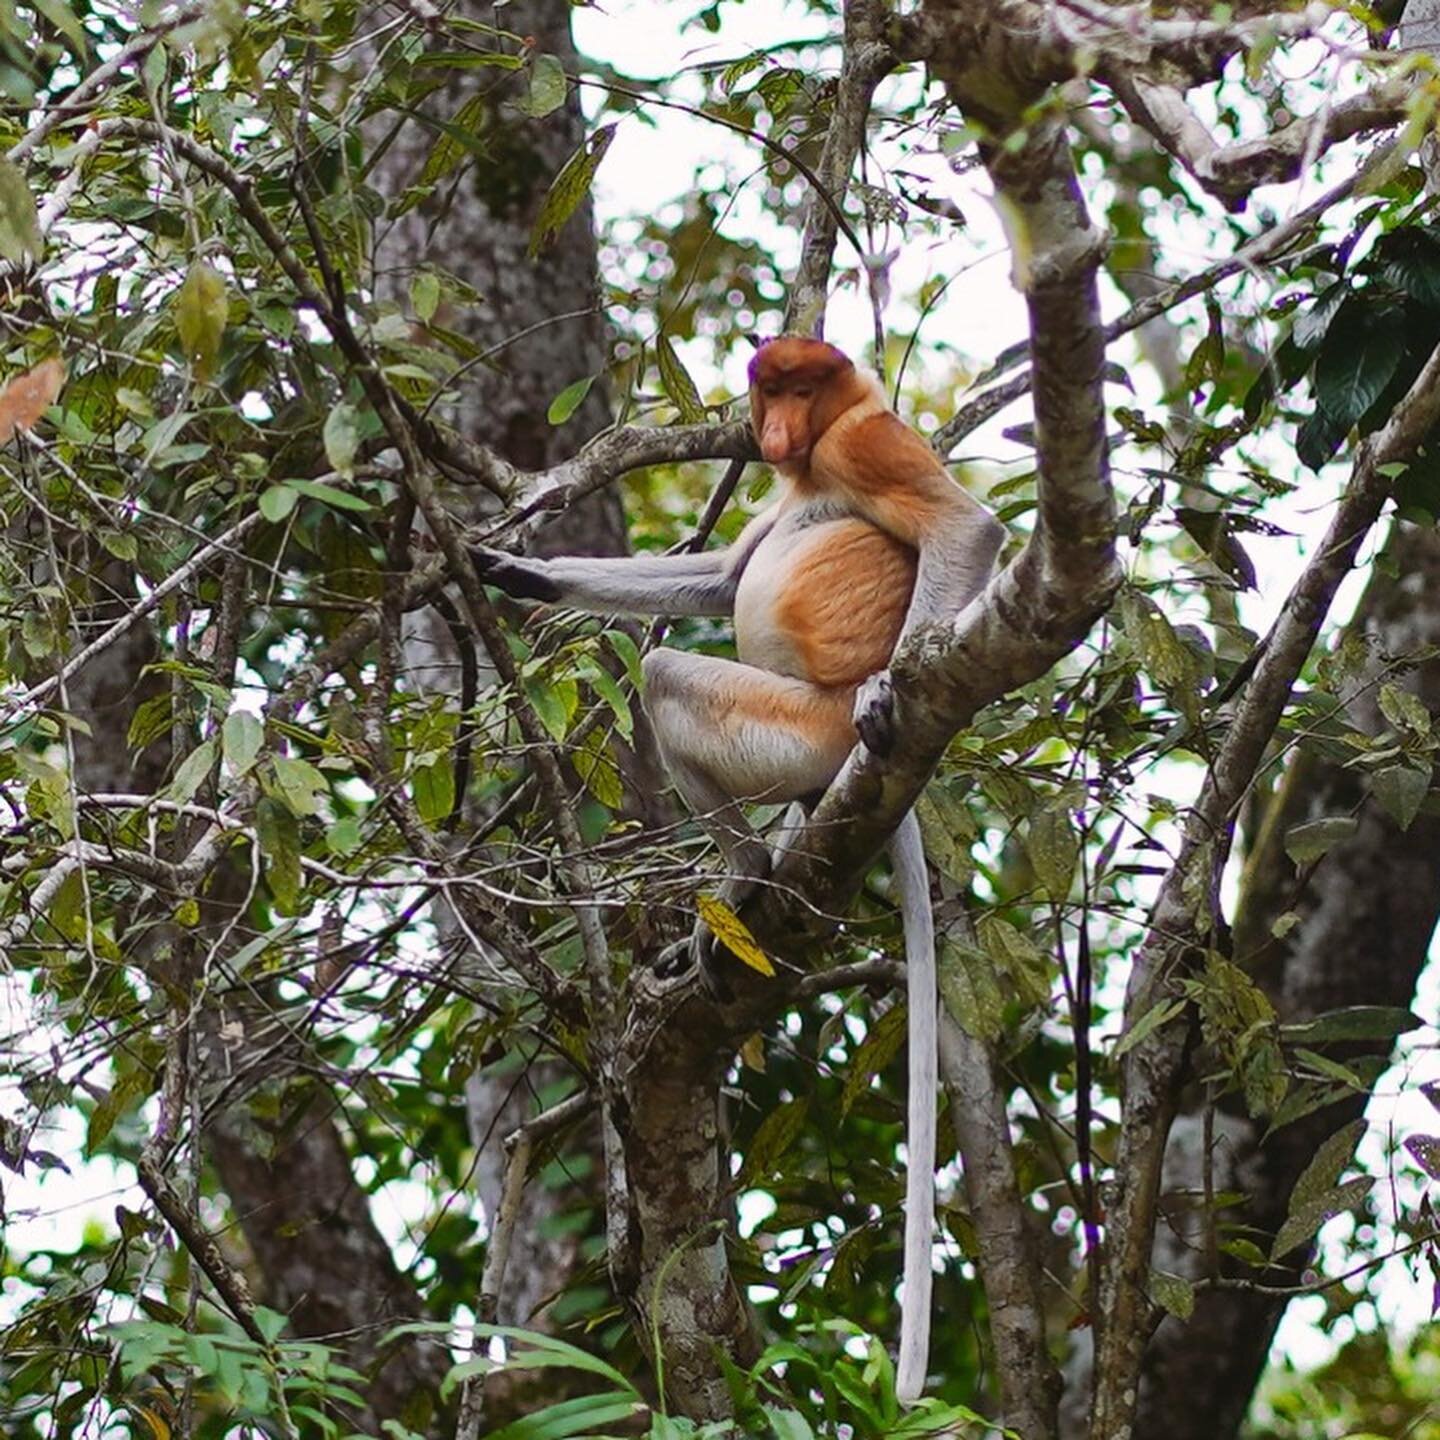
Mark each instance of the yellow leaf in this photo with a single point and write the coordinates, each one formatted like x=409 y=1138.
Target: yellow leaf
x=734 y=934
x=200 y=311
x=752 y=1053
x=23 y=400
x=159 y=1427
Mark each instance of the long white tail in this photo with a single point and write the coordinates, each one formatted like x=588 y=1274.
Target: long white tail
x=907 y=857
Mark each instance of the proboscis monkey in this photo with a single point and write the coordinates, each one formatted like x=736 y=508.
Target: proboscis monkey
x=869 y=539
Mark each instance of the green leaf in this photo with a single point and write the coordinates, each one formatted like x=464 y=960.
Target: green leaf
x=1161 y=1013
x=1305 y=1221
x=201 y=307
x=122 y=544
x=1360 y=354
x=425 y=294
x=1310 y=325
x=1016 y=955
x=279 y=834
x=242 y=736
x=773 y=1140
x=1173 y=1293
x=271 y=1323
x=568 y=401
x=1401 y=789
x=596 y=766
x=569 y=188
x=789 y=1424
x=331 y=495
x=677 y=382
x=434 y=789
x=554 y=702
x=1304 y=843
x=20 y=238
x=344 y=836
x=1356 y=1022
x=297 y=784
x=547 y=88
x=1319 y=1177
x=1053 y=847
x=1405 y=712
x=62 y=16
x=342 y=439
x=581 y=1416
x=970 y=990
x=458 y=136
x=191 y=775
x=277 y=502
x=881 y=1045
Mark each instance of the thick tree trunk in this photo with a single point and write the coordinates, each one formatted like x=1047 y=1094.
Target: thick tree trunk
x=1367 y=915
x=541 y=321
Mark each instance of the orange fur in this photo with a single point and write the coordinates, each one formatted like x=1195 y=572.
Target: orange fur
x=844 y=601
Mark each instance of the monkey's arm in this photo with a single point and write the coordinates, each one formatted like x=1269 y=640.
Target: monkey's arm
x=895 y=480
x=700 y=584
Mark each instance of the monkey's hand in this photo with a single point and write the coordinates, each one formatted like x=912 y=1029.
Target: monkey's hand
x=517 y=575
x=875 y=713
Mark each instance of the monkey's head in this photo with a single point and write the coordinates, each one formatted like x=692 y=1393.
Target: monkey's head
x=798 y=388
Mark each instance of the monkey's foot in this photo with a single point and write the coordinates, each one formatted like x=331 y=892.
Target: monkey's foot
x=875 y=713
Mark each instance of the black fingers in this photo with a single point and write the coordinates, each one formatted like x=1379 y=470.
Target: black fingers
x=875 y=714
x=524 y=579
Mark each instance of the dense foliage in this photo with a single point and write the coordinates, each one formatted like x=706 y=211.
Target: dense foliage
x=330 y=882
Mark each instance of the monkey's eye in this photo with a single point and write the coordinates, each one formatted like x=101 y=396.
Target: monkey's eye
x=770 y=392
x=804 y=392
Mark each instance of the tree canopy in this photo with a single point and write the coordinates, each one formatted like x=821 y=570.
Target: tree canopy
x=332 y=881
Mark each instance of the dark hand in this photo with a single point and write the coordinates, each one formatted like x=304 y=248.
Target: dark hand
x=516 y=575
x=875 y=713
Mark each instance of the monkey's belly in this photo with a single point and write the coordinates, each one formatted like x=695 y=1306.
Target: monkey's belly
x=824 y=603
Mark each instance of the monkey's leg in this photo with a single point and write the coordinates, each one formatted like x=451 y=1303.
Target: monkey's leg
x=731 y=733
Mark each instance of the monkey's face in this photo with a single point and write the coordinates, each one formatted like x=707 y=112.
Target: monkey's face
x=791 y=381
x=783 y=420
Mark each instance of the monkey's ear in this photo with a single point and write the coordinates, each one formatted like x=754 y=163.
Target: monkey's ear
x=517 y=576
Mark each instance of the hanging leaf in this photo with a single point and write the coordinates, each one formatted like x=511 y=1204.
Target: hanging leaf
x=26 y=397
x=1053 y=847
x=277 y=502
x=1319 y=1177
x=878 y=1049
x=1357 y=1022
x=547 y=88
x=970 y=990
x=342 y=439
x=194 y=768
x=569 y=188
x=568 y=401
x=279 y=834
x=1172 y=1293
x=773 y=1141
x=596 y=766
x=200 y=310
x=1401 y=789
x=1362 y=349
x=1305 y=1221
x=734 y=934
x=20 y=238
x=242 y=736
x=1304 y=843
x=677 y=382
x=458 y=136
